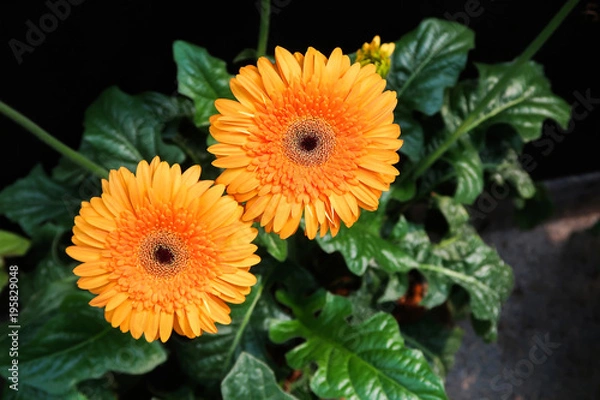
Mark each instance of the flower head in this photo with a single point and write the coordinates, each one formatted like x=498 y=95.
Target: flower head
x=162 y=251
x=376 y=53
x=308 y=136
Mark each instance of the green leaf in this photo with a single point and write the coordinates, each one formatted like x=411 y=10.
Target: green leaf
x=99 y=389
x=362 y=245
x=525 y=103
x=365 y=361
x=41 y=305
x=201 y=77
x=466 y=163
x=47 y=253
x=46 y=271
x=167 y=108
x=3 y=278
x=247 y=54
x=13 y=245
x=404 y=191
x=209 y=357
x=456 y=215
x=274 y=245
x=470 y=263
x=121 y=130
x=426 y=61
x=395 y=287
x=461 y=259
x=413 y=240
x=460 y=101
x=35 y=199
x=510 y=170
x=379 y=291
x=70 y=342
x=411 y=133
x=251 y=378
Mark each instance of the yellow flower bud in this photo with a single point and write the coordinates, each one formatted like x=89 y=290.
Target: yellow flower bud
x=376 y=53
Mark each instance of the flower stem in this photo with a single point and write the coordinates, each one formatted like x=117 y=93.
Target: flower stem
x=51 y=141
x=472 y=120
x=263 y=33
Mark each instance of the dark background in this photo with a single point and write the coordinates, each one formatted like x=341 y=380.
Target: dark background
x=129 y=44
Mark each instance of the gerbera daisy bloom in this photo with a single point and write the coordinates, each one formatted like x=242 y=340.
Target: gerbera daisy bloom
x=163 y=250
x=308 y=136
x=376 y=53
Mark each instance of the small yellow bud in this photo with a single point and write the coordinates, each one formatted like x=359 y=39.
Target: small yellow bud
x=376 y=53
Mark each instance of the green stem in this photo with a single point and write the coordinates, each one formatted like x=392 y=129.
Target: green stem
x=51 y=141
x=471 y=121
x=263 y=33
x=266 y=284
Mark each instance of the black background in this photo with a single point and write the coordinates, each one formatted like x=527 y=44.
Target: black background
x=129 y=44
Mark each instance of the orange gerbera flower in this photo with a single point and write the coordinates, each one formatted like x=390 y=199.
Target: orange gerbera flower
x=307 y=136
x=163 y=251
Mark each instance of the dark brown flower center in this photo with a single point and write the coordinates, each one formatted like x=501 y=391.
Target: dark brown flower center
x=309 y=142
x=162 y=254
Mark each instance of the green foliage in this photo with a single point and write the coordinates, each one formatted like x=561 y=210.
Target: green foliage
x=120 y=129
x=334 y=333
x=35 y=199
x=11 y=245
x=251 y=378
x=201 y=77
x=414 y=142
x=510 y=171
x=54 y=354
x=210 y=357
x=362 y=245
x=275 y=246
x=524 y=104
x=428 y=60
x=466 y=162
x=364 y=361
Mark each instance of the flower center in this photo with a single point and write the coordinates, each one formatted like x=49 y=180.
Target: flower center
x=163 y=254
x=309 y=142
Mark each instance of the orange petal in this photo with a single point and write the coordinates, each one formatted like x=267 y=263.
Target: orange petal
x=166 y=326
